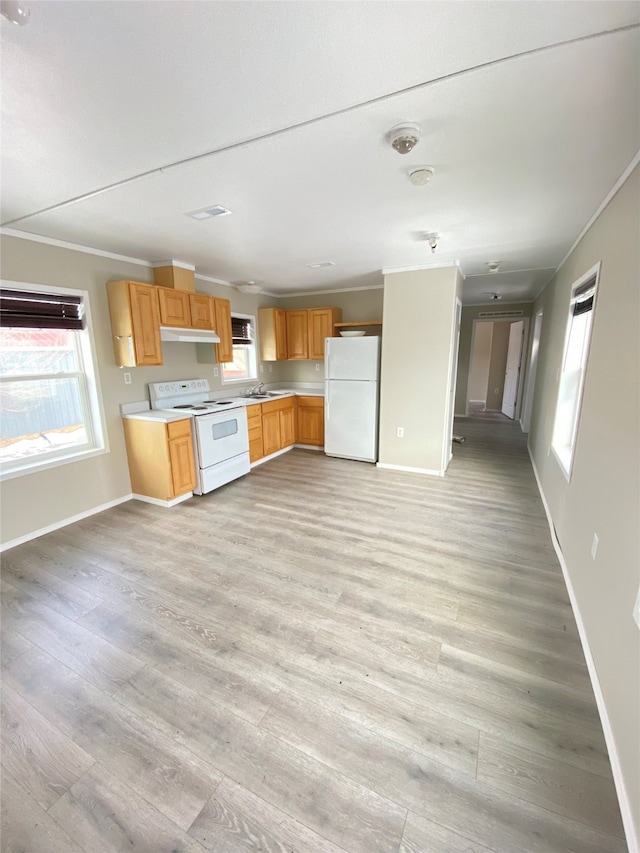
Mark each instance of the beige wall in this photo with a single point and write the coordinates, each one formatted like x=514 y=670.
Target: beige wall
x=417 y=346
x=37 y=500
x=469 y=314
x=497 y=365
x=603 y=495
x=480 y=359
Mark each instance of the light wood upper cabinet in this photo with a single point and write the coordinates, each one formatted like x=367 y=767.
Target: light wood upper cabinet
x=222 y=326
x=272 y=331
x=202 y=309
x=174 y=307
x=298 y=334
x=135 y=323
x=321 y=326
x=161 y=460
x=311 y=421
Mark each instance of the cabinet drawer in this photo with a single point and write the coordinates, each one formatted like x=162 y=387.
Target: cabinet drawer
x=278 y=405
x=255 y=432
x=254 y=413
x=311 y=402
x=178 y=429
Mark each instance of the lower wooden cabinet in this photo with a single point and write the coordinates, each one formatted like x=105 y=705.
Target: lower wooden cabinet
x=271 y=433
x=161 y=461
x=254 y=425
x=311 y=421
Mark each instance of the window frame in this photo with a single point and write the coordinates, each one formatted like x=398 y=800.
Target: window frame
x=566 y=460
x=254 y=345
x=89 y=390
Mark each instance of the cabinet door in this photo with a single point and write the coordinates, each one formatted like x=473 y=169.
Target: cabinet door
x=183 y=471
x=174 y=307
x=321 y=322
x=311 y=421
x=298 y=334
x=280 y=321
x=202 y=308
x=287 y=427
x=224 y=350
x=271 y=440
x=145 y=323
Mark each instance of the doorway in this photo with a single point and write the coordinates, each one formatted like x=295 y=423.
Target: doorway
x=531 y=374
x=495 y=381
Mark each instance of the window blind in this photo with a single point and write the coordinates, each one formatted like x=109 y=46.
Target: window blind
x=25 y=309
x=583 y=297
x=241 y=331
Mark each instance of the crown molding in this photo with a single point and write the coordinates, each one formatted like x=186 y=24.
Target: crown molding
x=323 y=292
x=75 y=247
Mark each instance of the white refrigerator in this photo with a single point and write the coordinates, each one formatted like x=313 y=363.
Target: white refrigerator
x=351 y=381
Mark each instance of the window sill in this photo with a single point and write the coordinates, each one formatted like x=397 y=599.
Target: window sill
x=42 y=465
x=565 y=462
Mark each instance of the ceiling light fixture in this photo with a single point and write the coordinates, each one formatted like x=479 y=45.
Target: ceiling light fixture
x=209 y=212
x=421 y=176
x=15 y=11
x=249 y=287
x=404 y=137
x=492 y=295
x=432 y=238
x=493 y=266
x=321 y=265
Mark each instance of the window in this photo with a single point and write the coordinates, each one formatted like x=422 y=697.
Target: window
x=574 y=364
x=244 y=364
x=49 y=404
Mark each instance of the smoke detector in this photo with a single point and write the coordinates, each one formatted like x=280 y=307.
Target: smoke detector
x=432 y=238
x=493 y=266
x=404 y=137
x=421 y=176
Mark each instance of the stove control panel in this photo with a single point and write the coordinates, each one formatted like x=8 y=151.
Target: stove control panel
x=165 y=390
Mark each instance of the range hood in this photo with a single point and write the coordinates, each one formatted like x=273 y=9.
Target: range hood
x=194 y=336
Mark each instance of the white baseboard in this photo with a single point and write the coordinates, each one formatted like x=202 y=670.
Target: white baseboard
x=409 y=469
x=271 y=456
x=310 y=447
x=157 y=502
x=51 y=527
x=623 y=798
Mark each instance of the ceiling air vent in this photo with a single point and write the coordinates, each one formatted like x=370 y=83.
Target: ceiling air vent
x=494 y=314
x=321 y=265
x=208 y=212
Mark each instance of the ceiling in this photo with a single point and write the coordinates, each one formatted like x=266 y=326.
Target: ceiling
x=118 y=118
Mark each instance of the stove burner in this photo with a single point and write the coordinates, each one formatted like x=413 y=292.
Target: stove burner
x=219 y=402
x=196 y=408
x=184 y=406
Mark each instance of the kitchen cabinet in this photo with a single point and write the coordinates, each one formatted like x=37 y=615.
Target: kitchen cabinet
x=272 y=331
x=254 y=425
x=321 y=325
x=135 y=323
x=278 y=424
x=311 y=421
x=222 y=326
x=161 y=461
x=298 y=334
x=202 y=310
x=174 y=307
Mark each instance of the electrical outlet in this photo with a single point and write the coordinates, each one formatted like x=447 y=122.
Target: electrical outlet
x=317 y=366
x=636 y=610
x=270 y=368
x=262 y=368
x=127 y=379
x=594 y=546
x=216 y=371
x=496 y=390
x=400 y=432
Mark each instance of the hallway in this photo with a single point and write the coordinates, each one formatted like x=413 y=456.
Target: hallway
x=322 y=657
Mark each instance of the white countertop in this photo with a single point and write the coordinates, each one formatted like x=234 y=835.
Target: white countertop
x=154 y=415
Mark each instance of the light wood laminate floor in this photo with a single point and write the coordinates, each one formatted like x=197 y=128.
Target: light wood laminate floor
x=322 y=657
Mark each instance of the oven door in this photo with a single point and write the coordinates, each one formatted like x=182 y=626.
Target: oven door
x=221 y=436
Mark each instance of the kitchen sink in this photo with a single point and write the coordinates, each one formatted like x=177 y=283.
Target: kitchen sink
x=265 y=396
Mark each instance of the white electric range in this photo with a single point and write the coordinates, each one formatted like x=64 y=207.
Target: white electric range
x=218 y=427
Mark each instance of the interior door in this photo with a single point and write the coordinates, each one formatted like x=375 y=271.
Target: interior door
x=512 y=373
x=453 y=377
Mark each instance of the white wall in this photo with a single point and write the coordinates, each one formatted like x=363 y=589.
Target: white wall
x=603 y=496
x=417 y=347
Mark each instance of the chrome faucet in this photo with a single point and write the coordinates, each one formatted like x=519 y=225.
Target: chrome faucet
x=257 y=389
